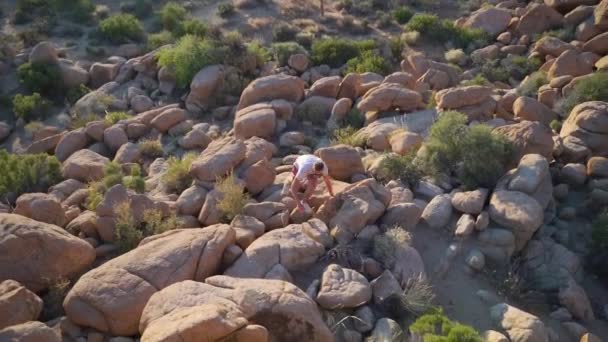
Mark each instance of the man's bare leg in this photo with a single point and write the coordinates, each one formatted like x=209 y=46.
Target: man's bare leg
x=311 y=185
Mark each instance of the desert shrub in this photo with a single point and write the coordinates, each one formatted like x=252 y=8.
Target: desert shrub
x=33 y=126
x=411 y=38
x=599 y=232
x=592 y=88
x=529 y=86
x=436 y=327
x=417 y=296
x=177 y=177
x=95 y=191
x=232 y=198
x=188 y=57
x=455 y=148
x=261 y=54
x=142 y=8
x=121 y=28
x=76 y=10
x=403 y=14
x=114 y=117
x=556 y=125
x=54 y=297
x=283 y=32
x=151 y=148
x=154 y=222
x=368 y=61
x=494 y=71
x=402 y=167
x=334 y=52
x=384 y=245
x=76 y=93
x=397 y=45
x=40 y=78
x=312 y=112
x=193 y=27
x=455 y=56
x=172 y=15
x=524 y=65
x=81 y=120
x=566 y=34
x=135 y=181
x=443 y=31
x=348 y=136
x=30 y=107
x=112 y=175
x=126 y=234
x=479 y=79
x=27 y=10
x=156 y=40
x=225 y=9
x=384 y=20
x=27 y=172
x=282 y=51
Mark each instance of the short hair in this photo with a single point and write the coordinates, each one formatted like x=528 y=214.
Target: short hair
x=319 y=166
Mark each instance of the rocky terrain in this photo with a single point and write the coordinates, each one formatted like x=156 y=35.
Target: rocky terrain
x=146 y=151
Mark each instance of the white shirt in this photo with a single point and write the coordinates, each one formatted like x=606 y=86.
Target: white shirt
x=306 y=166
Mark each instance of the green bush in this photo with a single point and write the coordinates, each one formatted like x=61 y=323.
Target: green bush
x=27 y=172
x=188 y=57
x=193 y=27
x=494 y=71
x=404 y=168
x=114 y=117
x=75 y=94
x=282 y=51
x=77 y=10
x=529 y=87
x=121 y=28
x=354 y=118
x=225 y=9
x=232 y=198
x=151 y=148
x=397 y=45
x=455 y=148
x=283 y=32
x=443 y=31
x=437 y=327
x=156 y=40
x=30 y=107
x=403 y=14
x=261 y=54
x=556 y=125
x=128 y=232
x=368 y=61
x=334 y=52
x=599 y=232
x=348 y=136
x=172 y=15
x=479 y=80
x=177 y=177
x=592 y=88
x=27 y=10
x=40 y=78
x=135 y=181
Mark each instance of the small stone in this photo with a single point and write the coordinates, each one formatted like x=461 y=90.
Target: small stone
x=483 y=221
x=476 y=260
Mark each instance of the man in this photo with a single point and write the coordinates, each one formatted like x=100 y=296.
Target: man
x=307 y=170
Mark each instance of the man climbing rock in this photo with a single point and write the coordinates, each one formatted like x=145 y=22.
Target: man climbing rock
x=307 y=170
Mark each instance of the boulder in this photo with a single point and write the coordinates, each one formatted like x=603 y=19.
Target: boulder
x=343 y=288
x=30 y=332
x=493 y=336
x=406 y=215
x=497 y=244
x=115 y=136
x=388 y=96
x=316 y=109
x=564 y=6
x=358 y=205
x=601 y=15
x=470 y=202
x=597 y=44
x=517 y=211
x=72 y=75
x=597 y=167
x=403 y=142
x=112 y=297
x=326 y=87
x=41 y=207
x=589 y=123
x=405 y=79
x=168 y=118
x=550 y=265
x=44 y=53
x=272 y=87
x=528 y=137
x=294 y=247
x=38 y=254
x=571 y=63
x=386 y=330
x=551 y=46
x=438 y=212
x=191 y=200
x=519 y=325
x=255 y=121
x=526 y=108
x=203 y=85
x=299 y=62
x=454 y=98
x=532 y=169
x=17 y=304
x=491 y=20
x=343 y=161
x=539 y=18
x=71 y=142
x=574 y=298
x=141 y=103
x=218 y=159
x=226 y=308
x=103 y=73
x=196 y=138
x=258 y=176
x=84 y=165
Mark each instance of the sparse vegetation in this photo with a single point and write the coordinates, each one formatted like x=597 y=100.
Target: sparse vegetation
x=121 y=28
x=530 y=85
x=403 y=14
x=417 y=296
x=159 y=39
x=114 y=117
x=334 y=52
x=479 y=79
x=283 y=32
x=442 y=31
x=30 y=107
x=282 y=51
x=225 y=9
x=129 y=232
x=95 y=191
x=591 y=88
x=177 y=178
x=349 y=136
x=368 y=61
x=436 y=326
x=172 y=15
x=27 y=173
x=135 y=181
x=404 y=168
x=556 y=125
x=232 y=198
x=53 y=300
x=384 y=245
x=455 y=56
x=151 y=148
x=40 y=78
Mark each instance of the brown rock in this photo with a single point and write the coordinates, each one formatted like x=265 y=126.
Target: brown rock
x=84 y=165
x=491 y=20
x=390 y=96
x=589 y=123
x=70 y=143
x=270 y=88
x=17 y=304
x=342 y=161
x=539 y=18
x=255 y=121
x=219 y=158
x=528 y=137
x=30 y=332
x=454 y=98
x=168 y=118
x=203 y=85
x=41 y=207
x=526 y=108
x=571 y=63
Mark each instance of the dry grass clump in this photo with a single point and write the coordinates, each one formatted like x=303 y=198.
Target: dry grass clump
x=151 y=148
x=232 y=198
x=384 y=245
x=348 y=136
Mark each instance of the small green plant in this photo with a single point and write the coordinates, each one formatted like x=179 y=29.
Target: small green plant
x=435 y=326
x=556 y=125
x=193 y=27
x=94 y=196
x=283 y=32
x=348 y=136
x=27 y=172
x=177 y=177
x=151 y=148
x=126 y=234
x=599 y=232
x=232 y=198
x=156 y=40
x=591 y=88
x=261 y=54
x=529 y=87
x=188 y=57
x=135 y=181
x=411 y=37
x=405 y=168
x=479 y=80
x=494 y=71
x=53 y=300
x=282 y=51
x=225 y=9
x=154 y=223
x=368 y=61
x=172 y=15
x=455 y=56
x=313 y=112
x=397 y=45
x=112 y=175
x=334 y=52
x=354 y=118
x=114 y=117
x=385 y=245
x=121 y=28
x=76 y=93
x=434 y=29
x=30 y=107
x=40 y=78
x=79 y=121
x=403 y=14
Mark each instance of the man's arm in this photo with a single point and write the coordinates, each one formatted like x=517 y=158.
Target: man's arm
x=328 y=184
